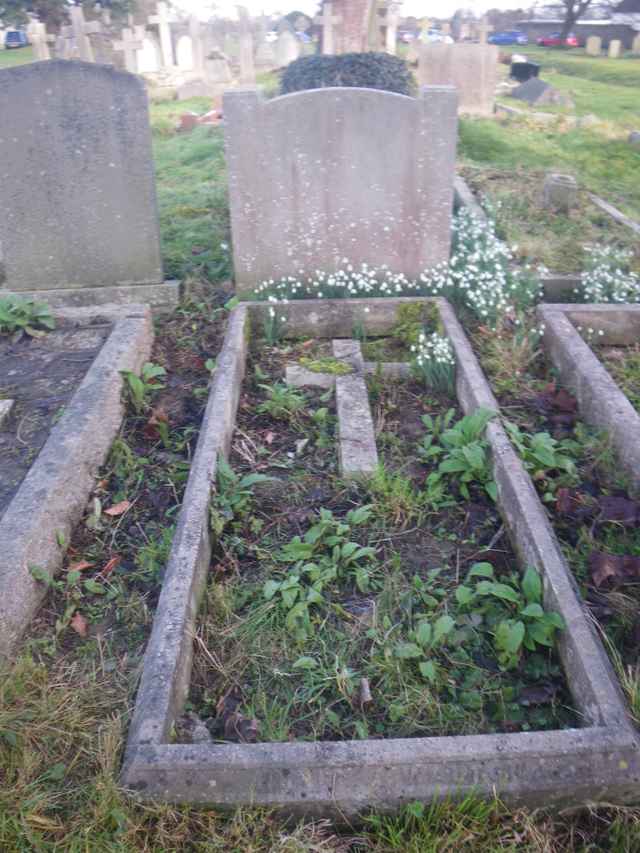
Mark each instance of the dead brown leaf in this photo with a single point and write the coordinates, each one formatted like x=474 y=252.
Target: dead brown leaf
x=79 y=624
x=109 y=566
x=118 y=509
x=619 y=509
x=80 y=566
x=236 y=725
x=613 y=569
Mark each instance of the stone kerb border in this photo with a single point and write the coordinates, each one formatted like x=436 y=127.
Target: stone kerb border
x=53 y=495
x=596 y=763
x=600 y=400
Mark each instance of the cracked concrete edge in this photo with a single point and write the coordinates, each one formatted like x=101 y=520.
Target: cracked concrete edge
x=167 y=663
x=619 y=324
x=590 y=676
x=162 y=297
x=344 y=779
x=600 y=401
x=5 y=410
x=556 y=286
x=357 y=450
x=52 y=497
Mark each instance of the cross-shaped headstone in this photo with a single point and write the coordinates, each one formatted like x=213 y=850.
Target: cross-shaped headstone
x=196 y=45
x=163 y=18
x=245 y=58
x=129 y=44
x=484 y=29
x=81 y=31
x=40 y=40
x=357 y=443
x=326 y=20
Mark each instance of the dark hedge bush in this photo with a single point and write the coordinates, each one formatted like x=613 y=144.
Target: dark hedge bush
x=369 y=70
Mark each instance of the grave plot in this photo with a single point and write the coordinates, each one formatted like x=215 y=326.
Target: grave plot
x=578 y=436
x=66 y=410
x=329 y=636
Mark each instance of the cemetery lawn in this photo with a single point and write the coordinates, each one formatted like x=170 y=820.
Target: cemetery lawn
x=576 y=63
x=16 y=56
x=623 y=363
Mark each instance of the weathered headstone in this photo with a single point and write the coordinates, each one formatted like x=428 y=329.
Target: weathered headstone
x=287 y=49
x=81 y=31
x=391 y=31
x=615 y=49
x=245 y=57
x=483 y=30
x=560 y=192
x=635 y=44
x=471 y=68
x=327 y=20
x=217 y=69
x=89 y=218
x=536 y=91
x=184 y=53
x=197 y=45
x=149 y=56
x=266 y=55
x=129 y=45
x=593 y=46
x=334 y=174
x=163 y=19
x=40 y=40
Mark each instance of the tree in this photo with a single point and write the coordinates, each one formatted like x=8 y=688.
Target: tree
x=573 y=10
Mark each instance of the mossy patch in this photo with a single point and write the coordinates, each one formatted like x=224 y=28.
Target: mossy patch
x=326 y=364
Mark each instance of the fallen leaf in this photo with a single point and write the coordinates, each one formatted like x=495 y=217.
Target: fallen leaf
x=619 y=509
x=307 y=344
x=269 y=437
x=79 y=624
x=80 y=566
x=236 y=725
x=117 y=509
x=151 y=431
x=537 y=694
x=613 y=568
x=110 y=566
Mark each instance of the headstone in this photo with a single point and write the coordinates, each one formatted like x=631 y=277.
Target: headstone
x=129 y=45
x=163 y=19
x=634 y=138
x=483 y=30
x=266 y=55
x=536 y=91
x=89 y=218
x=523 y=71
x=391 y=32
x=560 y=192
x=247 y=67
x=184 y=53
x=321 y=177
x=81 y=31
x=635 y=44
x=149 y=56
x=593 y=46
x=327 y=20
x=217 y=70
x=615 y=49
x=41 y=40
x=287 y=49
x=197 y=45
x=195 y=89
x=471 y=68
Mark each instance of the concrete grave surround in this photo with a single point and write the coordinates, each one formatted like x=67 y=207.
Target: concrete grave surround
x=597 y=763
x=601 y=402
x=339 y=173
x=89 y=219
x=471 y=68
x=52 y=497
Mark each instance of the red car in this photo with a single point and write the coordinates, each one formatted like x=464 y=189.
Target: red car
x=554 y=40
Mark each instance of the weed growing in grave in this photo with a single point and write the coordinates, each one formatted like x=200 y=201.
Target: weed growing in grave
x=462 y=453
x=434 y=362
x=24 y=315
x=273 y=323
x=140 y=388
x=233 y=496
x=283 y=401
x=545 y=458
x=607 y=277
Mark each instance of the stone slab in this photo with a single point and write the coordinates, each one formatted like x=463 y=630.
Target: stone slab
x=339 y=175
x=77 y=178
x=600 y=401
x=160 y=297
x=595 y=764
x=5 y=410
x=471 y=68
x=301 y=377
x=357 y=451
x=53 y=495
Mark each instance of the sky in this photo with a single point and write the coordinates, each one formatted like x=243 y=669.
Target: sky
x=419 y=8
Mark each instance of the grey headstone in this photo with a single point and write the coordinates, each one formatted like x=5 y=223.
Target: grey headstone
x=77 y=178
x=471 y=68
x=536 y=91
x=560 y=192
x=634 y=138
x=319 y=176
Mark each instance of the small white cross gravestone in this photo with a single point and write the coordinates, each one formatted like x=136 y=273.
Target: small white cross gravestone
x=163 y=18
x=326 y=20
x=40 y=40
x=81 y=31
x=484 y=29
x=129 y=44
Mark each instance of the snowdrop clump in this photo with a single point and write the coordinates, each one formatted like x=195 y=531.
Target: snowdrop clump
x=434 y=362
x=607 y=277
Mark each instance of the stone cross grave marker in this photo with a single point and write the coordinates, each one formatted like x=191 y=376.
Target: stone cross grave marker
x=332 y=174
x=90 y=219
x=391 y=30
x=327 y=20
x=81 y=31
x=162 y=19
x=197 y=45
x=40 y=40
x=357 y=450
x=129 y=45
x=247 y=67
x=484 y=29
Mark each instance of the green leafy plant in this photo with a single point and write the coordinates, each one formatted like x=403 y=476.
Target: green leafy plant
x=139 y=388
x=463 y=453
x=434 y=362
x=542 y=454
x=283 y=401
x=24 y=315
x=233 y=495
x=513 y=611
x=423 y=641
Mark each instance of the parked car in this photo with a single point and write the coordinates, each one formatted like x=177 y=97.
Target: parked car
x=554 y=40
x=509 y=37
x=15 y=38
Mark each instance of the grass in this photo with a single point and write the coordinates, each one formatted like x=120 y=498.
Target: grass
x=624 y=366
x=576 y=63
x=16 y=56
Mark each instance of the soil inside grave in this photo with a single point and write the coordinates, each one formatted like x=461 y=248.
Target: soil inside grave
x=336 y=674
x=595 y=519
x=623 y=363
x=115 y=562
x=41 y=375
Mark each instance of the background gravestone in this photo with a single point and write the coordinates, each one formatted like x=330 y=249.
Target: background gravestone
x=77 y=178
x=471 y=68
x=339 y=173
x=593 y=46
